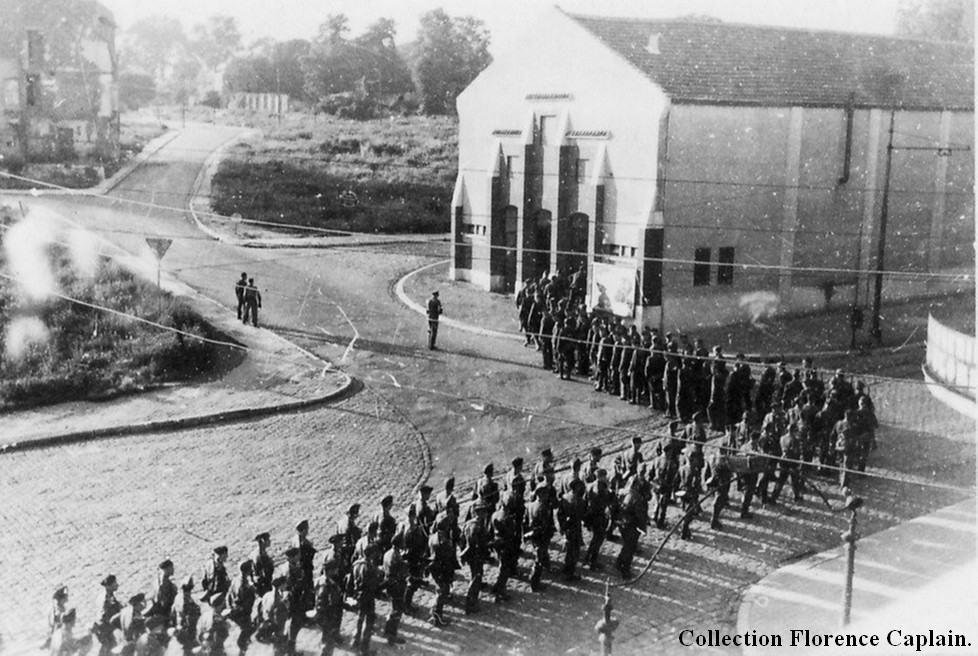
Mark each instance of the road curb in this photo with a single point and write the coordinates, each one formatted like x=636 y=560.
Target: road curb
x=169 y=425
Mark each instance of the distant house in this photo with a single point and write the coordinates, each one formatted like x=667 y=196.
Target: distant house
x=58 y=79
x=701 y=172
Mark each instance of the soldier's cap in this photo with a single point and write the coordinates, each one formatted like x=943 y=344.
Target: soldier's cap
x=576 y=465
x=542 y=481
x=246 y=566
x=187 y=583
x=412 y=512
x=166 y=564
x=244 y=274
x=251 y=281
x=636 y=440
x=546 y=452
x=303 y=525
x=517 y=463
x=373 y=526
x=279 y=579
x=108 y=581
x=221 y=550
x=398 y=540
x=488 y=469
x=601 y=472
x=292 y=552
x=354 y=509
x=137 y=598
x=425 y=490
x=263 y=536
x=434 y=293
x=69 y=616
x=387 y=501
x=450 y=484
x=61 y=592
x=596 y=451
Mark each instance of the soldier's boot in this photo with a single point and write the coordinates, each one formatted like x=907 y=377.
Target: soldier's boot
x=535 y=575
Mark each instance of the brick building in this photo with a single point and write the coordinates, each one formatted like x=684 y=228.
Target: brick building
x=699 y=170
x=58 y=81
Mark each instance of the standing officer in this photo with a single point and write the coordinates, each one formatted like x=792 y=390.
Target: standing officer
x=570 y=516
x=486 y=489
x=540 y=529
x=442 y=566
x=262 y=564
x=366 y=583
x=307 y=553
x=386 y=526
x=395 y=571
x=416 y=555
x=434 y=312
x=239 y=291
x=252 y=299
x=345 y=539
x=475 y=551
x=241 y=599
x=597 y=509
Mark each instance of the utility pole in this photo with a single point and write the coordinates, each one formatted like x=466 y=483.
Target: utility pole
x=877 y=332
x=607 y=625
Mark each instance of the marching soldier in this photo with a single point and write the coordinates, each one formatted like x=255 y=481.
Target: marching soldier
x=690 y=485
x=329 y=604
x=365 y=583
x=573 y=475
x=791 y=450
x=486 y=489
x=387 y=525
x=307 y=553
x=570 y=516
x=435 y=311
x=663 y=476
x=216 y=579
x=423 y=510
x=108 y=608
x=505 y=536
x=262 y=564
x=212 y=629
x=299 y=595
x=165 y=593
x=597 y=514
x=272 y=615
x=748 y=480
x=186 y=614
x=416 y=555
x=544 y=468
x=442 y=566
x=632 y=522
x=589 y=470
x=241 y=599
x=130 y=623
x=345 y=539
x=475 y=552
x=718 y=476
x=395 y=571
x=540 y=530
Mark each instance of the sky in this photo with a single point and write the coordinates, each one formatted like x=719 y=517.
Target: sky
x=288 y=19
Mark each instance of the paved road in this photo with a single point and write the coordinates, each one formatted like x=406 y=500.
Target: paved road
x=123 y=504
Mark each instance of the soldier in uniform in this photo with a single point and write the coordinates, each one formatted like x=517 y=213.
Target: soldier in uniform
x=573 y=475
x=329 y=603
x=213 y=629
x=307 y=553
x=791 y=450
x=186 y=613
x=627 y=350
x=239 y=291
x=546 y=338
x=748 y=480
x=423 y=510
x=387 y=525
x=605 y=351
x=366 y=581
x=655 y=371
x=846 y=446
x=59 y=603
x=718 y=476
x=416 y=555
x=63 y=641
x=345 y=538
x=589 y=470
x=475 y=551
x=690 y=485
x=632 y=522
x=108 y=608
x=540 y=529
x=368 y=539
x=442 y=565
x=216 y=577
x=671 y=382
x=130 y=623
x=570 y=517
x=272 y=615
x=505 y=537
x=435 y=311
x=636 y=372
x=486 y=489
x=262 y=564
x=663 y=476
x=598 y=501
x=299 y=594
x=544 y=468
x=240 y=601
x=165 y=593
x=395 y=572
x=252 y=298
x=514 y=480
x=627 y=464
x=153 y=641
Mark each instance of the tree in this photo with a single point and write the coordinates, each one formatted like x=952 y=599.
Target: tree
x=938 y=20
x=384 y=71
x=154 y=44
x=451 y=53
x=216 y=40
x=136 y=89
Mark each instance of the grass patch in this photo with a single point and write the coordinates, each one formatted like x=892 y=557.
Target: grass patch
x=388 y=175
x=77 y=352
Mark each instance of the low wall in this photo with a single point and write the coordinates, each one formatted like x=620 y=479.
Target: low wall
x=951 y=365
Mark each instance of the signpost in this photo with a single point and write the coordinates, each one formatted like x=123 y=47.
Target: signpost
x=159 y=246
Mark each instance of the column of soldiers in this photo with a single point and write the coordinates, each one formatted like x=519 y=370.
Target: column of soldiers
x=803 y=419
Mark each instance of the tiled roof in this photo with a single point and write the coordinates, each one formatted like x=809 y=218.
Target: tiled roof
x=746 y=64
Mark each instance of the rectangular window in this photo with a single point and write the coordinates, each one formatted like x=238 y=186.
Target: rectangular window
x=31 y=95
x=35 y=50
x=582 y=171
x=701 y=267
x=512 y=163
x=725 y=270
x=548 y=130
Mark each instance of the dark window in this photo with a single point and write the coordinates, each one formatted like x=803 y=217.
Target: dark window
x=35 y=50
x=701 y=267
x=548 y=130
x=31 y=95
x=582 y=171
x=511 y=163
x=725 y=260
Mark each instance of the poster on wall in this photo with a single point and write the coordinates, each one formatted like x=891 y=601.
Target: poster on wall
x=612 y=289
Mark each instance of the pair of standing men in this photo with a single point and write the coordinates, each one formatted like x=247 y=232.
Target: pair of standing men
x=249 y=298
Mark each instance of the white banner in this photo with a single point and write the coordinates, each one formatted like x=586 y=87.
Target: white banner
x=612 y=289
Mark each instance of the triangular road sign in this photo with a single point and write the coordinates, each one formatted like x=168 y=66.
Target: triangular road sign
x=159 y=246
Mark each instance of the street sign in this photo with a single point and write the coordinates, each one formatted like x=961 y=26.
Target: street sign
x=159 y=246
x=349 y=199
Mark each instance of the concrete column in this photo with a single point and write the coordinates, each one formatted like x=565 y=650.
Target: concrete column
x=935 y=248
x=789 y=218
x=870 y=194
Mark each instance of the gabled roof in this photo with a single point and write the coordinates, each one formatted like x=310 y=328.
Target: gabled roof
x=701 y=62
